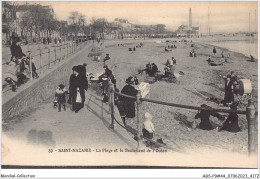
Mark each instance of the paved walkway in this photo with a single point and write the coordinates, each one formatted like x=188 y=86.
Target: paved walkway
x=46 y=128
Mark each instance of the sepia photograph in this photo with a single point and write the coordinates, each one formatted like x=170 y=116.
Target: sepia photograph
x=129 y=84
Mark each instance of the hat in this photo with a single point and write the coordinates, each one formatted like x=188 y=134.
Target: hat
x=148 y=116
x=61 y=86
x=205 y=106
x=129 y=80
x=74 y=68
x=105 y=66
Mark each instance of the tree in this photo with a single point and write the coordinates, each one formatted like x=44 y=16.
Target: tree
x=99 y=25
x=77 y=22
x=160 y=28
x=8 y=18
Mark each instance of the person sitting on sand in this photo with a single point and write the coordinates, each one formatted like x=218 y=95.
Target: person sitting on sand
x=167 y=72
x=231 y=124
x=106 y=58
x=204 y=116
x=252 y=58
x=148 y=68
x=209 y=59
x=154 y=69
x=166 y=50
x=148 y=127
x=174 y=61
x=222 y=55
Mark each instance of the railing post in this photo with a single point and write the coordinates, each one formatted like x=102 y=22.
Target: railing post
x=55 y=54
x=49 y=58
x=138 y=103
x=111 y=102
x=60 y=54
x=67 y=50
x=30 y=66
x=41 y=60
x=250 y=116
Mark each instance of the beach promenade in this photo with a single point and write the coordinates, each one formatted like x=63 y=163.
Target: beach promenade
x=90 y=127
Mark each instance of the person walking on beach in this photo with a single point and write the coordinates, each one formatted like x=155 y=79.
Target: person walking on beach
x=214 y=50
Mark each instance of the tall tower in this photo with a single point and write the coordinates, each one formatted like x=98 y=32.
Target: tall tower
x=190 y=20
x=249 y=23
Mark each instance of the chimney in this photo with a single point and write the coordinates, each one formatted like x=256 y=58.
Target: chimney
x=190 y=21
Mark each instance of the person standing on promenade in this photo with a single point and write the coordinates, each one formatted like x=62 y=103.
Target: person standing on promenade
x=214 y=50
x=71 y=84
x=16 y=51
x=77 y=89
x=83 y=70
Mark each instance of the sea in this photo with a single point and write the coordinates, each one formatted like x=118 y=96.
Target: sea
x=244 y=45
x=248 y=47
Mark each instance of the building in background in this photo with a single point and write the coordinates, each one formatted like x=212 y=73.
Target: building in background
x=188 y=31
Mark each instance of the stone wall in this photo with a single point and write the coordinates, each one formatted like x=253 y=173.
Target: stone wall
x=42 y=89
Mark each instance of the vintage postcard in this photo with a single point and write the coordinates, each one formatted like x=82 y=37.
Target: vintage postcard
x=129 y=84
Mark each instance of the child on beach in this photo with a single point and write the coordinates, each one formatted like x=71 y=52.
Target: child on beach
x=148 y=128
x=60 y=97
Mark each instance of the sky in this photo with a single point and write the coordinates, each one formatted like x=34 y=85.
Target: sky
x=224 y=16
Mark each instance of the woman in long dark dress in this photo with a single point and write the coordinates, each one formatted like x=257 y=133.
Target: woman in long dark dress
x=129 y=104
x=78 y=86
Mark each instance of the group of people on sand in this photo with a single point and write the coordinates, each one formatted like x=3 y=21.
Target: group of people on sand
x=169 y=47
x=151 y=69
x=231 y=123
x=193 y=53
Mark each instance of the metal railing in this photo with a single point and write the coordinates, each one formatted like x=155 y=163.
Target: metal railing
x=44 y=58
x=250 y=113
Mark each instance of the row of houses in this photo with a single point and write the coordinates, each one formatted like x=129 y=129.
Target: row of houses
x=118 y=29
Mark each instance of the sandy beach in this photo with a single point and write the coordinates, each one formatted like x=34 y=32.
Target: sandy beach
x=199 y=83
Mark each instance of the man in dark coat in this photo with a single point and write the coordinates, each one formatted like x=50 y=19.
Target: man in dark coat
x=204 y=116
x=104 y=79
x=82 y=69
x=16 y=50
